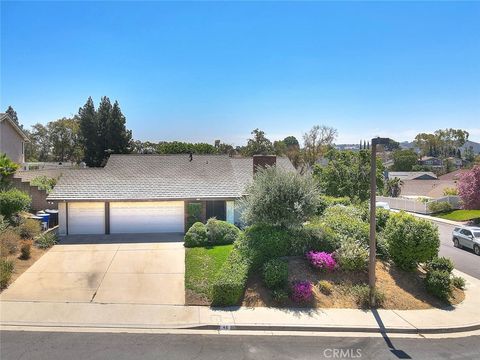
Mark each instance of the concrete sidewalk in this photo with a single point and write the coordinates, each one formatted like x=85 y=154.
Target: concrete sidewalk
x=463 y=317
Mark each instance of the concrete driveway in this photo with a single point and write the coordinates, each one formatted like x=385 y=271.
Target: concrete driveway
x=123 y=269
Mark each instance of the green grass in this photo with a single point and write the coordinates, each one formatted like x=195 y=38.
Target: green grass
x=459 y=215
x=202 y=265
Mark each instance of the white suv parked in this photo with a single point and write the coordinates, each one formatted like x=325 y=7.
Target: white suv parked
x=467 y=236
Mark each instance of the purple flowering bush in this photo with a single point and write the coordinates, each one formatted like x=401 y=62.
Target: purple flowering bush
x=321 y=260
x=302 y=291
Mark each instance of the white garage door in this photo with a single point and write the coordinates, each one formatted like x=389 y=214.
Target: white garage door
x=146 y=217
x=86 y=218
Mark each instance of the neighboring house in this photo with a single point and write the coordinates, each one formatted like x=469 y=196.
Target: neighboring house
x=456 y=162
x=426 y=188
x=151 y=193
x=12 y=139
x=433 y=162
x=411 y=175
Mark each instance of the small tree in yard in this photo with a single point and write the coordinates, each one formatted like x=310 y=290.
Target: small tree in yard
x=411 y=241
x=469 y=188
x=280 y=198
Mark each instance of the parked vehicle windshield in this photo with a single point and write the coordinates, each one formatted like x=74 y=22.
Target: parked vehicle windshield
x=477 y=234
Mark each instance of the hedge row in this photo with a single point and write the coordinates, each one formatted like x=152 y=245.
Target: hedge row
x=232 y=278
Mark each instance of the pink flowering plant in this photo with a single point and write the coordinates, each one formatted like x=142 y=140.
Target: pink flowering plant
x=302 y=291
x=322 y=260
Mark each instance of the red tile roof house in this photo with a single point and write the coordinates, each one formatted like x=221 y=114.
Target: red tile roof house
x=150 y=193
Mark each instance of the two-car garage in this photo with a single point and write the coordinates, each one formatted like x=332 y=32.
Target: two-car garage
x=121 y=217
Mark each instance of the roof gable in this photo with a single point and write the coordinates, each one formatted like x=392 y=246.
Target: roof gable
x=5 y=117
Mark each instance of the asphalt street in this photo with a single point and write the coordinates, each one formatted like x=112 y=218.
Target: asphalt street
x=55 y=345
x=464 y=259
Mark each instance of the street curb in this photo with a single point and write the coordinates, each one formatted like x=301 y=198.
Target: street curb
x=270 y=328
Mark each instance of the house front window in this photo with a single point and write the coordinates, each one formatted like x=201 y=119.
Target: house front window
x=217 y=209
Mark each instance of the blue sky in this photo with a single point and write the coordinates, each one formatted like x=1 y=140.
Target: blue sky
x=201 y=71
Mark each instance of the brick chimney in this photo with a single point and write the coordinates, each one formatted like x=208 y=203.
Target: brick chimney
x=262 y=161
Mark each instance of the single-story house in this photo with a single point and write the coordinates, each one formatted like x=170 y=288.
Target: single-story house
x=12 y=139
x=431 y=161
x=411 y=175
x=151 y=193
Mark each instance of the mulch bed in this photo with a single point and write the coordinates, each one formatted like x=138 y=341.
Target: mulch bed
x=403 y=290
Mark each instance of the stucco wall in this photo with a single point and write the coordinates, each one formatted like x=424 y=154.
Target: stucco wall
x=11 y=142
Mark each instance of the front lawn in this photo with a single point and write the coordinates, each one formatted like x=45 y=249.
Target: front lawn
x=459 y=215
x=201 y=267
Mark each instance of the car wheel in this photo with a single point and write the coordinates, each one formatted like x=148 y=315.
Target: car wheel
x=456 y=243
x=476 y=249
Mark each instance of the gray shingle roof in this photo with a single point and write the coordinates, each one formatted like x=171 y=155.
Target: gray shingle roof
x=160 y=177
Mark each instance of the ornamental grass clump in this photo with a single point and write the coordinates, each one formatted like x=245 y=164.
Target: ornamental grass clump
x=321 y=260
x=302 y=291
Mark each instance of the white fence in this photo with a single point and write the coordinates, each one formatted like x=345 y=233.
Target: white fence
x=418 y=206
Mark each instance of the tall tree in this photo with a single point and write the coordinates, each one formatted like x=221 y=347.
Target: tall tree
x=65 y=140
x=38 y=149
x=404 y=160
x=88 y=133
x=291 y=141
x=258 y=145
x=118 y=137
x=104 y=114
x=317 y=141
x=13 y=114
x=347 y=173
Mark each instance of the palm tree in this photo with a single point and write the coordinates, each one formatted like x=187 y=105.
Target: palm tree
x=394 y=187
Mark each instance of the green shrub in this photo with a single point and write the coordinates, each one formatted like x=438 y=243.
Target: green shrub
x=29 y=228
x=9 y=242
x=280 y=198
x=46 y=240
x=275 y=273
x=440 y=264
x=194 y=213
x=382 y=216
x=458 y=282
x=326 y=201
x=439 y=206
x=410 y=241
x=382 y=248
x=265 y=242
x=44 y=183
x=361 y=294
x=196 y=235
x=352 y=256
x=346 y=222
x=314 y=236
x=230 y=284
x=13 y=201
x=221 y=232
x=25 y=251
x=325 y=287
x=439 y=284
x=280 y=296
x=6 y=270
